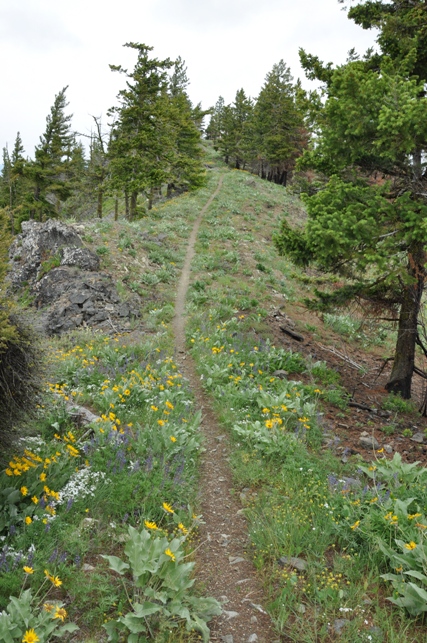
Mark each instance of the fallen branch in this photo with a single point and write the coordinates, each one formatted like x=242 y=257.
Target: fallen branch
x=363 y=407
x=291 y=333
x=349 y=361
x=387 y=359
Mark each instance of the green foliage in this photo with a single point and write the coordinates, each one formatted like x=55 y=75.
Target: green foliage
x=143 y=157
x=397 y=404
x=372 y=123
x=265 y=135
x=52 y=262
x=24 y=621
x=159 y=595
x=51 y=171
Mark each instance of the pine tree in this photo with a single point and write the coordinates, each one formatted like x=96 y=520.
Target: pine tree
x=214 y=130
x=97 y=170
x=236 y=139
x=278 y=126
x=187 y=171
x=141 y=146
x=14 y=184
x=49 y=172
x=368 y=222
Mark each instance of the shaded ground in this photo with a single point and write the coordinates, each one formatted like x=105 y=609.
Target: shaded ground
x=365 y=385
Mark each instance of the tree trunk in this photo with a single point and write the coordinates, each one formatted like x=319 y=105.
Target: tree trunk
x=126 y=204
x=404 y=360
x=99 y=206
x=150 y=198
x=12 y=220
x=133 y=198
x=116 y=208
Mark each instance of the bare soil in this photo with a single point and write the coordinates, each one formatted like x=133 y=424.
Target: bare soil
x=224 y=569
x=366 y=386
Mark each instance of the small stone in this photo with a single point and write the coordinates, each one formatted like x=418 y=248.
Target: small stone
x=253 y=638
x=281 y=374
x=301 y=608
x=369 y=442
x=224 y=599
x=388 y=448
x=339 y=624
x=88 y=568
x=234 y=560
x=254 y=619
x=230 y=614
x=79 y=297
x=418 y=437
x=258 y=607
x=295 y=563
x=244 y=580
x=228 y=638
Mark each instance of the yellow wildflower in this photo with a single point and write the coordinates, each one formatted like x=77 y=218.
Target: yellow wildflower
x=60 y=613
x=28 y=570
x=150 y=525
x=410 y=545
x=170 y=554
x=30 y=636
x=167 y=507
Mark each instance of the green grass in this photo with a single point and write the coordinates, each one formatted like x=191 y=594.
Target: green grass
x=144 y=450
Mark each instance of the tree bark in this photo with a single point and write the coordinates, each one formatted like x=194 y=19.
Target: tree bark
x=133 y=198
x=116 y=208
x=404 y=361
x=126 y=204
x=99 y=206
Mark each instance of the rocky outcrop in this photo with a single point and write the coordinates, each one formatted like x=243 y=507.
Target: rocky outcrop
x=64 y=278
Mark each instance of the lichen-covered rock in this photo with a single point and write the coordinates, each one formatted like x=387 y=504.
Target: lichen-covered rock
x=81 y=257
x=65 y=281
x=37 y=243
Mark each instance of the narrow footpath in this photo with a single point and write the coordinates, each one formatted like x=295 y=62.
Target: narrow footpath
x=223 y=568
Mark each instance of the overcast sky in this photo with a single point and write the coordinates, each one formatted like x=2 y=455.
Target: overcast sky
x=226 y=44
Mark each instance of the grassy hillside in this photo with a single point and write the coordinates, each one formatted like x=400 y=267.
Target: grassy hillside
x=328 y=515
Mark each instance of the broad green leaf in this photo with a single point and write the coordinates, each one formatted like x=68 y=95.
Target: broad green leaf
x=116 y=564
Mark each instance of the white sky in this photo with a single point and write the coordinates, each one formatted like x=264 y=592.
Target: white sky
x=226 y=44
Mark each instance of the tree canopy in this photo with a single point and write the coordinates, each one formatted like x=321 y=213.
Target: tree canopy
x=368 y=222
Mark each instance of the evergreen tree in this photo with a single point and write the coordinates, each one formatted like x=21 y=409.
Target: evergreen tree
x=373 y=126
x=214 y=130
x=278 y=126
x=187 y=171
x=97 y=170
x=236 y=139
x=50 y=171
x=141 y=143
x=14 y=184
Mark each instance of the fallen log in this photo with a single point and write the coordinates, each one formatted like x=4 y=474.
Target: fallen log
x=292 y=333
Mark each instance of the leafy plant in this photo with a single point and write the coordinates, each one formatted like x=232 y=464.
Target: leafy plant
x=22 y=621
x=398 y=404
x=158 y=593
x=46 y=266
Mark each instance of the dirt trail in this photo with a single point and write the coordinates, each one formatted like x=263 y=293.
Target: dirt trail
x=223 y=565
